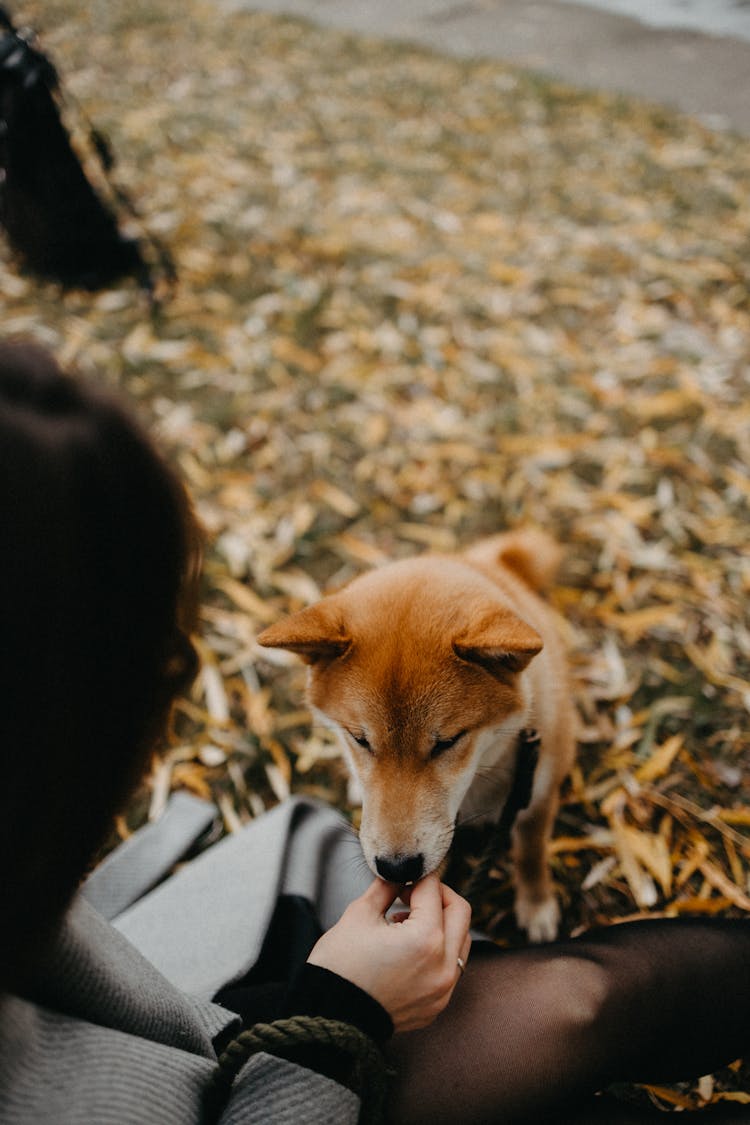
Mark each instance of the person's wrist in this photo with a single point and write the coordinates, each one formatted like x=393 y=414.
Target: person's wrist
x=317 y=990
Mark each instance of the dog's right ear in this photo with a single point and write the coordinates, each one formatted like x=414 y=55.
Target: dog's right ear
x=501 y=643
x=316 y=633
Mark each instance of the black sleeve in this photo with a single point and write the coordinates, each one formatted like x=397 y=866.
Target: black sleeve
x=315 y=991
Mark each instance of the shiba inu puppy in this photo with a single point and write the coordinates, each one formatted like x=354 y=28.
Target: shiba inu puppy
x=428 y=669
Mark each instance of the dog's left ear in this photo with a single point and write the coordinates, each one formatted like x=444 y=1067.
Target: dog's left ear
x=316 y=633
x=501 y=644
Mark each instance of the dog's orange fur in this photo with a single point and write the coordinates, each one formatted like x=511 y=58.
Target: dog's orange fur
x=410 y=655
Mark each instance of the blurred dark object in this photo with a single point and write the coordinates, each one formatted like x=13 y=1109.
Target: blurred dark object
x=55 y=219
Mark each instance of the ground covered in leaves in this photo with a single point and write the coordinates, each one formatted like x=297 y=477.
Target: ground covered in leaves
x=420 y=300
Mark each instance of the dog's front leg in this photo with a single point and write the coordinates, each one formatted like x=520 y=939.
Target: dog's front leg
x=536 y=907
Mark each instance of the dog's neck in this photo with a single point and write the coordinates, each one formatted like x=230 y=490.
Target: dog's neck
x=494 y=769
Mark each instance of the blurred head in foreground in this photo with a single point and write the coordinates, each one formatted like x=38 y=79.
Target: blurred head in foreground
x=99 y=561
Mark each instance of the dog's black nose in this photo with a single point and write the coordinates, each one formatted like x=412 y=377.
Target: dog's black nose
x=400 y=868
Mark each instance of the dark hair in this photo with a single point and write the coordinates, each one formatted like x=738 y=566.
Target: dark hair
x=99 y=562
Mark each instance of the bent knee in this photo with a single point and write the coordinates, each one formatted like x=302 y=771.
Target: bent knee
x=577 y=989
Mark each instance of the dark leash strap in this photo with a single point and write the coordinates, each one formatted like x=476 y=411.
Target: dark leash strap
x=519 y=798
x=527 y=756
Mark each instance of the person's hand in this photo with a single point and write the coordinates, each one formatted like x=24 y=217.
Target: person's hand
x=411 y=966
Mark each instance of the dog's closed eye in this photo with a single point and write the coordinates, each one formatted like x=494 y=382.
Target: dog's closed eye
x=360 y=740
x=440 y=745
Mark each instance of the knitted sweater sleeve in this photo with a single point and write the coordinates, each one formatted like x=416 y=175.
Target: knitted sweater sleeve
x=275 y=1091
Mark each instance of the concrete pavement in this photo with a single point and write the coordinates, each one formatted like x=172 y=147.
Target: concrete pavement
x=707 y=76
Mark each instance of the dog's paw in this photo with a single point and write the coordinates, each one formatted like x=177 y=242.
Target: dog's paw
x=540 y=918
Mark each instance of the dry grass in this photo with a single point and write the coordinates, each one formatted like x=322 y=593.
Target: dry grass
x=420 y=300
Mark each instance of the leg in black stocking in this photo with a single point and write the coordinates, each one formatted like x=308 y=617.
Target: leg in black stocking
x=528 y=1032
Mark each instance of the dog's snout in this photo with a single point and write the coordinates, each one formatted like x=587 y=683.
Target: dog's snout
x=400 y=868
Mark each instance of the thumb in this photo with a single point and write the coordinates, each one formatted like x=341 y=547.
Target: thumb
x=379 y=896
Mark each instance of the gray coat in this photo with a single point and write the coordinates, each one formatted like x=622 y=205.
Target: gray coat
x=117 y=1026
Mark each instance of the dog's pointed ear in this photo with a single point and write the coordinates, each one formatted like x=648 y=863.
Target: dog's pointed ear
x=316 y=633
x=501 y=643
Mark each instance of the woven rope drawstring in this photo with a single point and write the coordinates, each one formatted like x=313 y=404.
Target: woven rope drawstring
x=370 y=1074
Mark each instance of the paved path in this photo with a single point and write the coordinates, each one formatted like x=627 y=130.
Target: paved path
x=704 y=75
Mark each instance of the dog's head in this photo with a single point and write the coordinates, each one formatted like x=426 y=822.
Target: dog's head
x=411 y=664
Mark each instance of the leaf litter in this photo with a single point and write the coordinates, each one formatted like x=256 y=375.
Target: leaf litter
x=421 y=300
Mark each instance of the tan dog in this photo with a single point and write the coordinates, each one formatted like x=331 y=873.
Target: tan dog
x=428 y=669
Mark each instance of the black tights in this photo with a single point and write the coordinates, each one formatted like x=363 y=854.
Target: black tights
x=531 y=1034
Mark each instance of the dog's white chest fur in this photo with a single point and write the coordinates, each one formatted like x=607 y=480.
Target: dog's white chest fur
x=494 y=768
